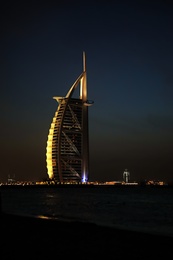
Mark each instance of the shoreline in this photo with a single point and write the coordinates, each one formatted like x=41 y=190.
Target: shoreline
x=38 y=237
x=13 y=186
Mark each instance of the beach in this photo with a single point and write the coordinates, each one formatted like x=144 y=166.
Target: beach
x=30 y=237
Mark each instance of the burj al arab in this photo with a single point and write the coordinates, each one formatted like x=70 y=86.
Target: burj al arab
x=67 y=151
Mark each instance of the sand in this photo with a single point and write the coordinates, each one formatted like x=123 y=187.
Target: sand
x=33 y=238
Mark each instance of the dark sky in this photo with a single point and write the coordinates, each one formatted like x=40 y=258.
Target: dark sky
x=129 y=56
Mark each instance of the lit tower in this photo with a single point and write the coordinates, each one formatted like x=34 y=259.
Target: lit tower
x=126 y=176
x=67 y=151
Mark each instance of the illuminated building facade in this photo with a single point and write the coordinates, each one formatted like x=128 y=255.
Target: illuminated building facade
x=126 y=176
x=67 y=152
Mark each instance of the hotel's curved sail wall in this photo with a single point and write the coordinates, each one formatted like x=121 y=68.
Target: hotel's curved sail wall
x=67 y=152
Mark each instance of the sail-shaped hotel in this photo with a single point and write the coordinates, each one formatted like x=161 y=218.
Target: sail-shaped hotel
x=67 y=151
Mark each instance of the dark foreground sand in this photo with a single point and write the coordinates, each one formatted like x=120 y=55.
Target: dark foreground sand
x=33 y=238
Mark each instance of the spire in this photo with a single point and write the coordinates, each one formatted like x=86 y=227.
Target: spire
x=84 y=61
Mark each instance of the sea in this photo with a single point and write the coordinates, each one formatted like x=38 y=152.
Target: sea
x=141 y=208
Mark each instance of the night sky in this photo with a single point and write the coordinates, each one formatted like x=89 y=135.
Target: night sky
x=129 y=57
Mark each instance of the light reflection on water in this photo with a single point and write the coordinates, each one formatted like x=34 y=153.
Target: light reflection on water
x=143 y=208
